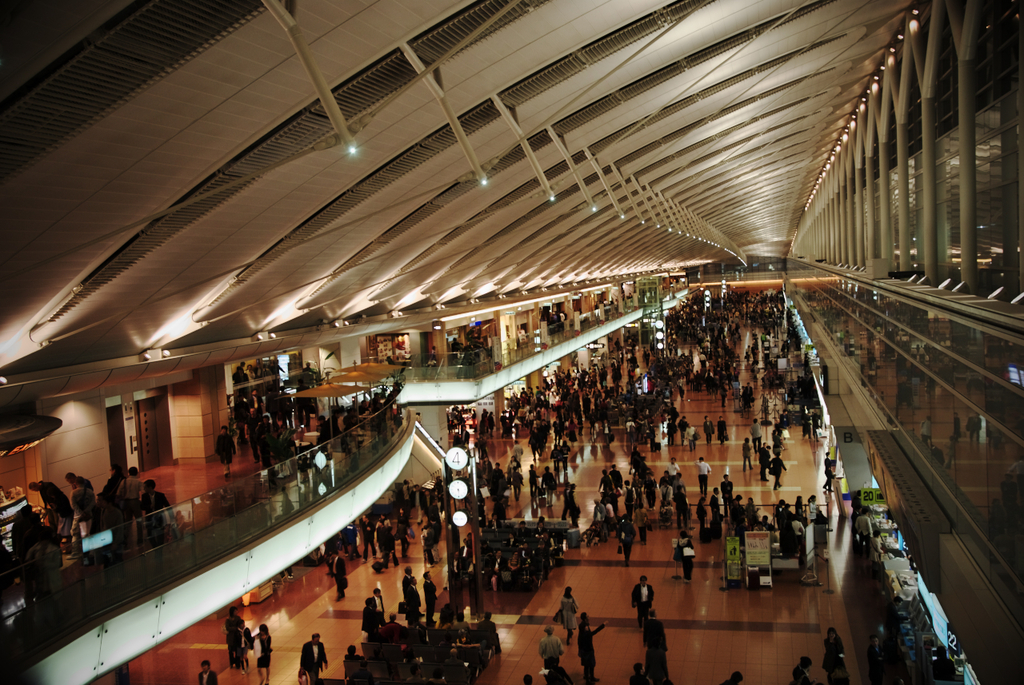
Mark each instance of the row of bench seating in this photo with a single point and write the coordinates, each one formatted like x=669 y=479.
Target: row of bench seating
x=384 y=673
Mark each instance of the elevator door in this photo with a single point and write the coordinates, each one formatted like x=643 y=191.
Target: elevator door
x=147 y=433
x=115 y=437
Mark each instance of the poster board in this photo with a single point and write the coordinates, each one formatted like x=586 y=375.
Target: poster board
x=759 y=548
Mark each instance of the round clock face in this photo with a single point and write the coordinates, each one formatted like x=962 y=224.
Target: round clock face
x=460 y=519
x=458 y=489
x=456 y=458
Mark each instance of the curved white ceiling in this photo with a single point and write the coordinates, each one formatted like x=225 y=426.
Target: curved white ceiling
x=724 y=108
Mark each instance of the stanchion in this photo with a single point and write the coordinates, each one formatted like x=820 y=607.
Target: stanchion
x=677 y=576
x=725 y=564
x=828 y=571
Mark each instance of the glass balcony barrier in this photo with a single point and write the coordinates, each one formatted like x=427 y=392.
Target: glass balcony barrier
x=52 y=594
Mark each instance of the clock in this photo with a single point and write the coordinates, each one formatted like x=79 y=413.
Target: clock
x=460 y=519
x=458 y=489
x=456 y=458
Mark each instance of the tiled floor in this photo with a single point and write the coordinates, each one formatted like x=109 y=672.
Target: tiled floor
x=710 y=632
x=183 y=481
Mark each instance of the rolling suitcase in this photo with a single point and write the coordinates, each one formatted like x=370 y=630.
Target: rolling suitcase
x=716 y=530
x=705 y=535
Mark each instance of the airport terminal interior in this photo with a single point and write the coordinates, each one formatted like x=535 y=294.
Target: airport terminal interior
x=638 y=341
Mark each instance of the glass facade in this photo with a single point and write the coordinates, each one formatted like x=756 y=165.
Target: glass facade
x=924 y=364
x=996 y=76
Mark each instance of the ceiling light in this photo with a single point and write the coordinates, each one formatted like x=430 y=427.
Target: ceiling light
x=483 y=181
x=144 y=357
x=258 y=337
x=337 y=324
x=594 y=208
x=3 y=380
x=351 y=149
x=167 y=353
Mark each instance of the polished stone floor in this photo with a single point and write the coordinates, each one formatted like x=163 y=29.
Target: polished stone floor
x=711 y=632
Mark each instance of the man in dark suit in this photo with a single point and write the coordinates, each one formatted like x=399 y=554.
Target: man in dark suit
x=643 y=597
x=429 y=598
x=314 y=658
x=654 y=632
x=371 y=621
x=206 y=676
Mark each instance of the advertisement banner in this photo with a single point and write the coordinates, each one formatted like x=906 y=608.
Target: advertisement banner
x=759 y=548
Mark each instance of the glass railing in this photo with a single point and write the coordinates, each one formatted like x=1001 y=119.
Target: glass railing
x=50 y=596
x=920 y=362
x=475 y=364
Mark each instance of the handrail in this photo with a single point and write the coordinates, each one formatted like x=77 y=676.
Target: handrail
x=429 y=368
x=51 y=601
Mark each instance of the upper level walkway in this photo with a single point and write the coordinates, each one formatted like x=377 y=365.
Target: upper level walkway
x=74 y=623
x=480 y=374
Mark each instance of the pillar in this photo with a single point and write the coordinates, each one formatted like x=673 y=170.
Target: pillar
x=967 y=85
x=903 y=188
x=858 y=196
x=928 y=248
x=869 y=197
x=884 y=201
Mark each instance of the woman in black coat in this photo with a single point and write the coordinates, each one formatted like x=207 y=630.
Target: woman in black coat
x=833 y=652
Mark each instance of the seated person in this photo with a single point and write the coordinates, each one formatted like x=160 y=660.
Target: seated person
x=942 y=667
x=351 y=655
x=391 y=631
x=447 y=640
x=438 y=677
x=460 y=623
x=446 y=617
x=364 y=672
x=417 y=674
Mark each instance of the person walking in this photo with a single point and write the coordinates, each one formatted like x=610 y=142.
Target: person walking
x=569 y=609
x=687 y=554
x=642 y=599
x=656 y=665
x=703 y=471
x=206 y=676
x=926 y=431
x=755 y=435
x=340 y=574
x=551 y=651
x=702 y=514
x=709 y=430
x=232 y=630
x=313 y=659
x=225 y=449
x=723 y=430
x=876 y=662
x=748 y=453
x=627 y=532
x=585 y=644
x=834 y=653
x=777 y=467
x=262 y=650
x=640 y=520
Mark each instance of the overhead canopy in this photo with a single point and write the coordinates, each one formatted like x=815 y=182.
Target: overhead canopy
x=195 y=200
x=330 y=390
x=367 y=373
